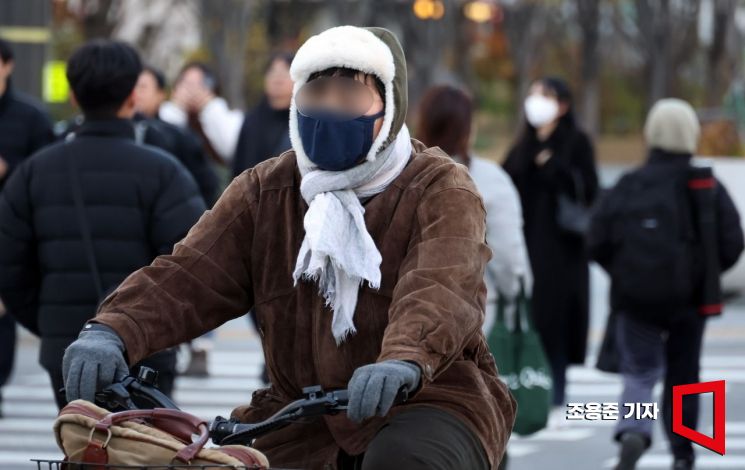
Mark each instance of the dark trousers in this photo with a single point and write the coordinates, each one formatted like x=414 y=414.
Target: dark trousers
x=420 y=438
x=7 y=347
x=648 y=353
x=559 y=363
x=7 y=350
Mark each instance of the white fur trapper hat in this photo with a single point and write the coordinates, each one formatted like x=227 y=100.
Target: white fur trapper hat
x=374 y=51
x=672 y=125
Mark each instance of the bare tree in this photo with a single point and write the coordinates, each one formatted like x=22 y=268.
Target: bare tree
x=719 y=55
x=97 y=17
x=224 y=31
x=588 y=17
x=665 y=33
x=165 y=31
x=426 y=42
x=523 y=19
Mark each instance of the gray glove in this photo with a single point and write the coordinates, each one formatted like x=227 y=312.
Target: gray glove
x=93 y=361
x=374 y=387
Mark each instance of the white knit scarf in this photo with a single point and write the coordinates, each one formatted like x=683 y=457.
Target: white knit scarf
x=337 y=251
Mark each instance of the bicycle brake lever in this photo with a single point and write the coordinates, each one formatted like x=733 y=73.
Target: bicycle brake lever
x=151 y=394
x=115 y=396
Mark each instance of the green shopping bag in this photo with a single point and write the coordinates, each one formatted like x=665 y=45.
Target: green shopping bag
x=522 y=363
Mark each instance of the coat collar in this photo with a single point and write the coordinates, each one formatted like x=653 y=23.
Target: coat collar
x=122 y=128
x=662 y=157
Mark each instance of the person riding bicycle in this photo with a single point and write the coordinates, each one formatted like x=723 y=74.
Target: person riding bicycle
x=362 y=253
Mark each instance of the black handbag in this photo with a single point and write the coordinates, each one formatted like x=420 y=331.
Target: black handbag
x=573 y=215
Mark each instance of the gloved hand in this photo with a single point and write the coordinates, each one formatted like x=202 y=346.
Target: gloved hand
x=93 y=361
x=374 y=387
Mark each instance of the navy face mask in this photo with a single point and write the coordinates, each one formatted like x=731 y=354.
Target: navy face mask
x=335 y=141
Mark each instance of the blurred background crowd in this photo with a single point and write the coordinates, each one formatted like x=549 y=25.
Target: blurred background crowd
x=618 y=55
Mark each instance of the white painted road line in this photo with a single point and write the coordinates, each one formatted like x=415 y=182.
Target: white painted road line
x=703 y=462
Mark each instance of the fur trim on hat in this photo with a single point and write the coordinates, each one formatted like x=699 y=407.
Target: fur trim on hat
x=350 y=47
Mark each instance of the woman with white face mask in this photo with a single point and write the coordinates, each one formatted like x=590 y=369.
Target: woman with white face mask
x=552 y=160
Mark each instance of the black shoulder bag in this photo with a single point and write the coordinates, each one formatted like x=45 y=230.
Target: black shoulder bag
x=573 y=215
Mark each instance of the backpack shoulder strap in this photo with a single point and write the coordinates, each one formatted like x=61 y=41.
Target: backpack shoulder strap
x=83 y=225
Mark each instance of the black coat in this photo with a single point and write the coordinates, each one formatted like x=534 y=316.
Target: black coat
x=181 y=143
x=186 y=147
x=264 y=134
x=602 y=239
x=560 y=306
x=24 y=129
x=139 y=202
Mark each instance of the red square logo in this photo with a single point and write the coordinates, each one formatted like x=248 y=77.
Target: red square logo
x=716 y=442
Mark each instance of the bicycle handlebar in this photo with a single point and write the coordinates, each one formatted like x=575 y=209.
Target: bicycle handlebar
x=316 y=403
x=135 y=393
x=132 y=391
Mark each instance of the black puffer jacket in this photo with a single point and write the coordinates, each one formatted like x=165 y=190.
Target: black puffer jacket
x=181 y=143
x=139 y=201
x=24 y=129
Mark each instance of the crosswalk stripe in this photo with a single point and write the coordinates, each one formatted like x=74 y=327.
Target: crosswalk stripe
x=19 y=458
x=592 y=392
x=588 y=374
x=188 y=391
x=49 y=411
x=235 y=357
x=213 y=383
x=235 y=370
x=25 y=424
x=702 y=462
x=555 y=435
x=34 y=442
x=735 y=427
x=517 y=450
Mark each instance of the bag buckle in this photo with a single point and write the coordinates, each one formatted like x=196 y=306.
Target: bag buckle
x=106 y=442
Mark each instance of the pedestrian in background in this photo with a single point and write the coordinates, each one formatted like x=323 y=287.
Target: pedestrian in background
x=196 y=103
x=643 y=234
x=554 y=159
x=265 y=130
x=80 y=215
x=445 y=117
x=24 y=128
x=150 y=94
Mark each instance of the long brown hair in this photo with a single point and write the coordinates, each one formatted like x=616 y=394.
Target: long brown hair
x=445 y=115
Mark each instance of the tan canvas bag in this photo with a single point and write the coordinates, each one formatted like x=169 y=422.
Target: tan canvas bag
x=93 y=435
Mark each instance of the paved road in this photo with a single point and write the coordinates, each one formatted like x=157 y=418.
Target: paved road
x=586 y=445
x=25 y=432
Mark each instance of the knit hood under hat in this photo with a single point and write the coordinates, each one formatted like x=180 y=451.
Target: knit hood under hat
x=370 y=50
x=338 y=253
x=672 y=125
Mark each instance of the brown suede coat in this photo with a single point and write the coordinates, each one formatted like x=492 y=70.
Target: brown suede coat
x=429 y=227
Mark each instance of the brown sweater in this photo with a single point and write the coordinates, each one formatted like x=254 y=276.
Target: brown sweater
x=429 y=227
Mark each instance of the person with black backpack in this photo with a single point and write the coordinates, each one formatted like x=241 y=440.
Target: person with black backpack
x=664 y=234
